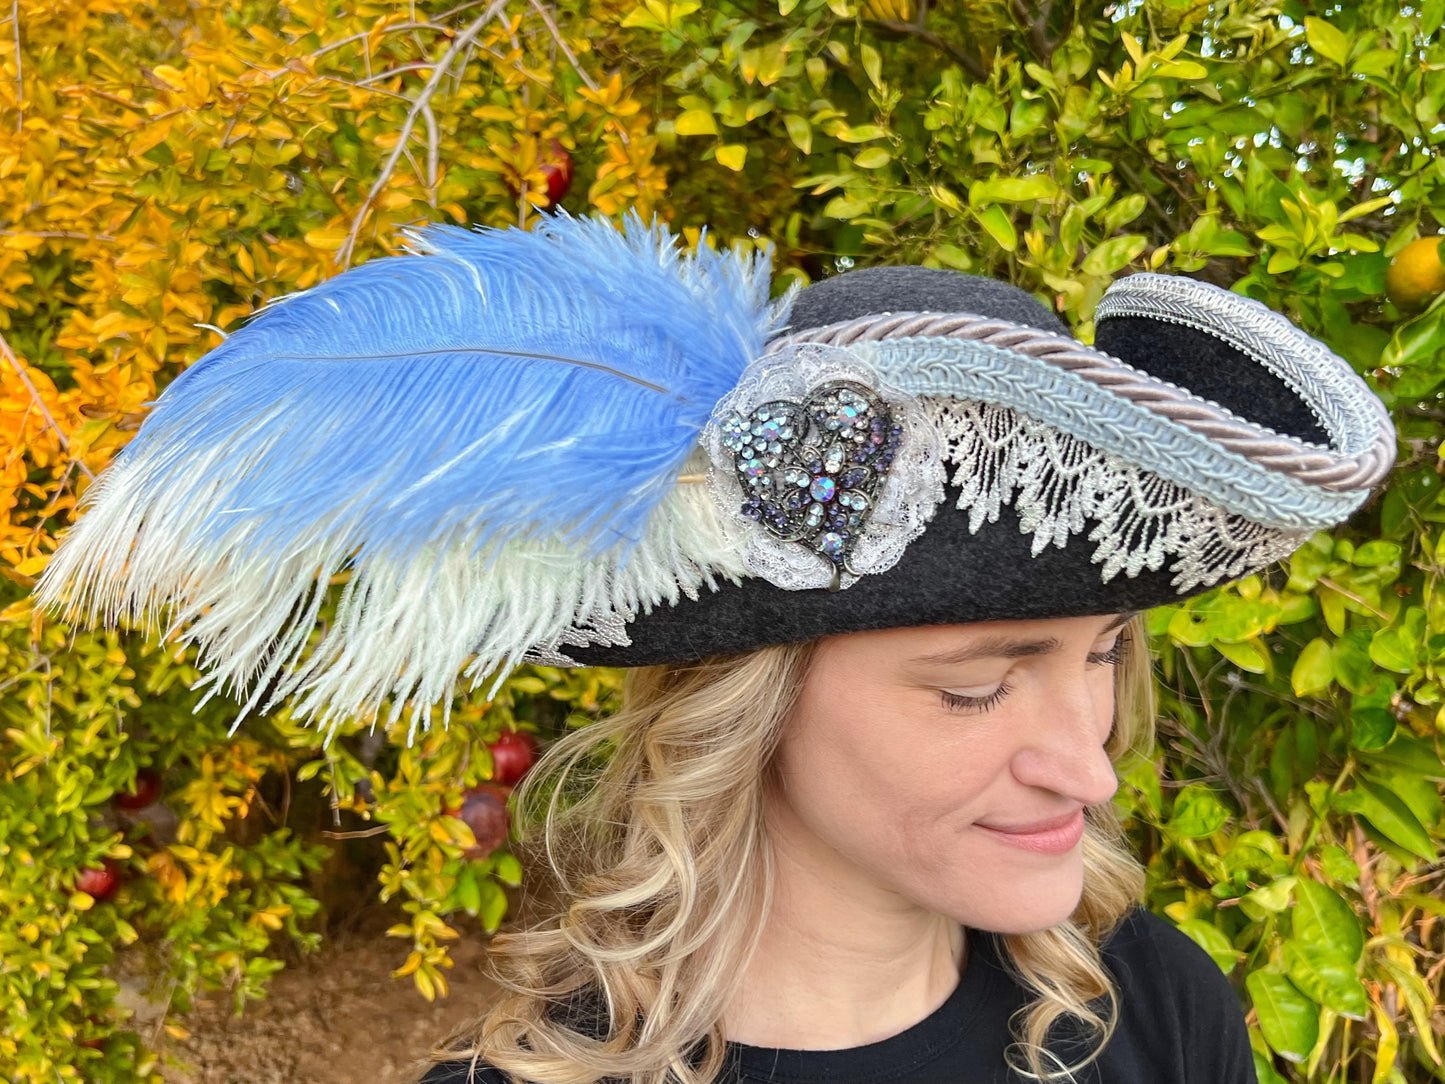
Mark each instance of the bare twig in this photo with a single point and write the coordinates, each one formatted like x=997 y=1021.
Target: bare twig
x=343 y=256
x=364 y=833
x=433 y=155
x=1333 y=586
x=1037 y=27
x=341 y=43
x=58 y=234
x=916 y=30
x=566 y=51
x=40 y=404
x=19 y=71
x=379 y=76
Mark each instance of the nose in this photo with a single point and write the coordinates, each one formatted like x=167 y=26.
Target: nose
x=1064 y=752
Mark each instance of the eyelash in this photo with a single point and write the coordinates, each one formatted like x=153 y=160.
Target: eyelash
x=979 y=704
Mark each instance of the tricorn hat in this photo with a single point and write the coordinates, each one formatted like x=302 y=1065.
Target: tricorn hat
x=579 y=445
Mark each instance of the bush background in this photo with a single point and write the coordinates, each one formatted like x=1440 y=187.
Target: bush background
x=167 y=167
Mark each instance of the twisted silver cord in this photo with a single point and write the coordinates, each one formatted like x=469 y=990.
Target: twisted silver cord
x=1314 y=464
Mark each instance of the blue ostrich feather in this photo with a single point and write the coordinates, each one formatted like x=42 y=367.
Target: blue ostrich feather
x=493 y=384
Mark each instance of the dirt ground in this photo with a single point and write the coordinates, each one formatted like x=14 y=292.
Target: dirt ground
x=335 y=1017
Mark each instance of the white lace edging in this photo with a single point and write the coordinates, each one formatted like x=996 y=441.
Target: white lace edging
x=1057 y=483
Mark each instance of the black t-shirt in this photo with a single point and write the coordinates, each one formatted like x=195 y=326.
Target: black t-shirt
x=1179 y=1023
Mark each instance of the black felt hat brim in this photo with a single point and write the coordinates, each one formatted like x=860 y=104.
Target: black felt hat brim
x=948 y=576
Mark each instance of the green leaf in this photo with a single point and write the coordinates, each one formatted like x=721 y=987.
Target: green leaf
x=1250 y=655
x=1213 y=941
x=1421 y=795
x=1326 y=40
x=1123 y=211
x=1012 y=189
x=1322 y=917
x=1392 y=651
x=1377 y=552
x=1353 y=666
x=1113 y=254
x=1273 y=897
x=493 y=906
x=1000 y=227
x=1314 y=669
x=872 y=64
x=872 y=158
x=1390 y=816
x=1327 y=976
x=1289 y=1020
x=860 y=133
x=799 y=131
x=1198 y=812
x=1371 y=728
x=506 y=868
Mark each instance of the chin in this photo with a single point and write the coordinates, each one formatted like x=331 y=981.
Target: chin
x=1018 y=901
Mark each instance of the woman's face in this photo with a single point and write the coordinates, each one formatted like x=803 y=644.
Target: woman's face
x=948 y=767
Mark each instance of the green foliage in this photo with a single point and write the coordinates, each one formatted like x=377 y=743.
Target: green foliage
x=1291 y=818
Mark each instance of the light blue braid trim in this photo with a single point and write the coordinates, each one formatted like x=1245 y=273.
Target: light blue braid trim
x=958 y=369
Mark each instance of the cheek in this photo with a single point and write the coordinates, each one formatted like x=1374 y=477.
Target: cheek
x=884 y=781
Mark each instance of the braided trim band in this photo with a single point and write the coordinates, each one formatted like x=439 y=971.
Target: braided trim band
x=1320 y=377
x=1363 y=447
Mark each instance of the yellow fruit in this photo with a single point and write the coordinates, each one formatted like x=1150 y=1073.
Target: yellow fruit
x=1416 y=274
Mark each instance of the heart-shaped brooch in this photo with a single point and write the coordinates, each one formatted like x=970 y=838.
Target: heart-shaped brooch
x=811 y=470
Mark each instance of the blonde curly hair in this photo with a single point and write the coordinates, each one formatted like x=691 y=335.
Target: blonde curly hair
x=652 y=821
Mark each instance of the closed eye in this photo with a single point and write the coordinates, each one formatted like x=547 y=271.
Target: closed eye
x=974 y=704
x=1114 y=656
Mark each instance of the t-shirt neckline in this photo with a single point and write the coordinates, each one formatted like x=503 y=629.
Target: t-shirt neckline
x=898 y=1056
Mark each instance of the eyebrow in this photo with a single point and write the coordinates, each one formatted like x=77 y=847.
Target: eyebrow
x=1002 y=647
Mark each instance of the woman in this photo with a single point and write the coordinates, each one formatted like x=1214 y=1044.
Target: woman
x=874 y=552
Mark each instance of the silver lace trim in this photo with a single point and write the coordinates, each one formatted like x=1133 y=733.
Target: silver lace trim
x=1057 y=483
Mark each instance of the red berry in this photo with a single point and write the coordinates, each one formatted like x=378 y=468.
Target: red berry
x=484 y=811
x=100 y=882
x=146 y=790
x=557 y=168
x=513 y=754
x=554 y=163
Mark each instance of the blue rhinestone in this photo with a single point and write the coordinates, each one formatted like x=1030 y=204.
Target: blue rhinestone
x=832 y=544
x=754 y=468
x=854 y=477
x=822 y=489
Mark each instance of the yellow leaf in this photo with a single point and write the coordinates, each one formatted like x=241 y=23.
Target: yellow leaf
x=696 y=122
x=151 y=136
x=17 y=611
x=327 y=240
x=32 y=566
x=733 y=155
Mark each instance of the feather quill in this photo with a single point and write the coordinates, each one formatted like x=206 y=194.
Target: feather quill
x=484 y=434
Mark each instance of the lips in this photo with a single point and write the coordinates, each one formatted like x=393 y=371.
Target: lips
x=1054 y=836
